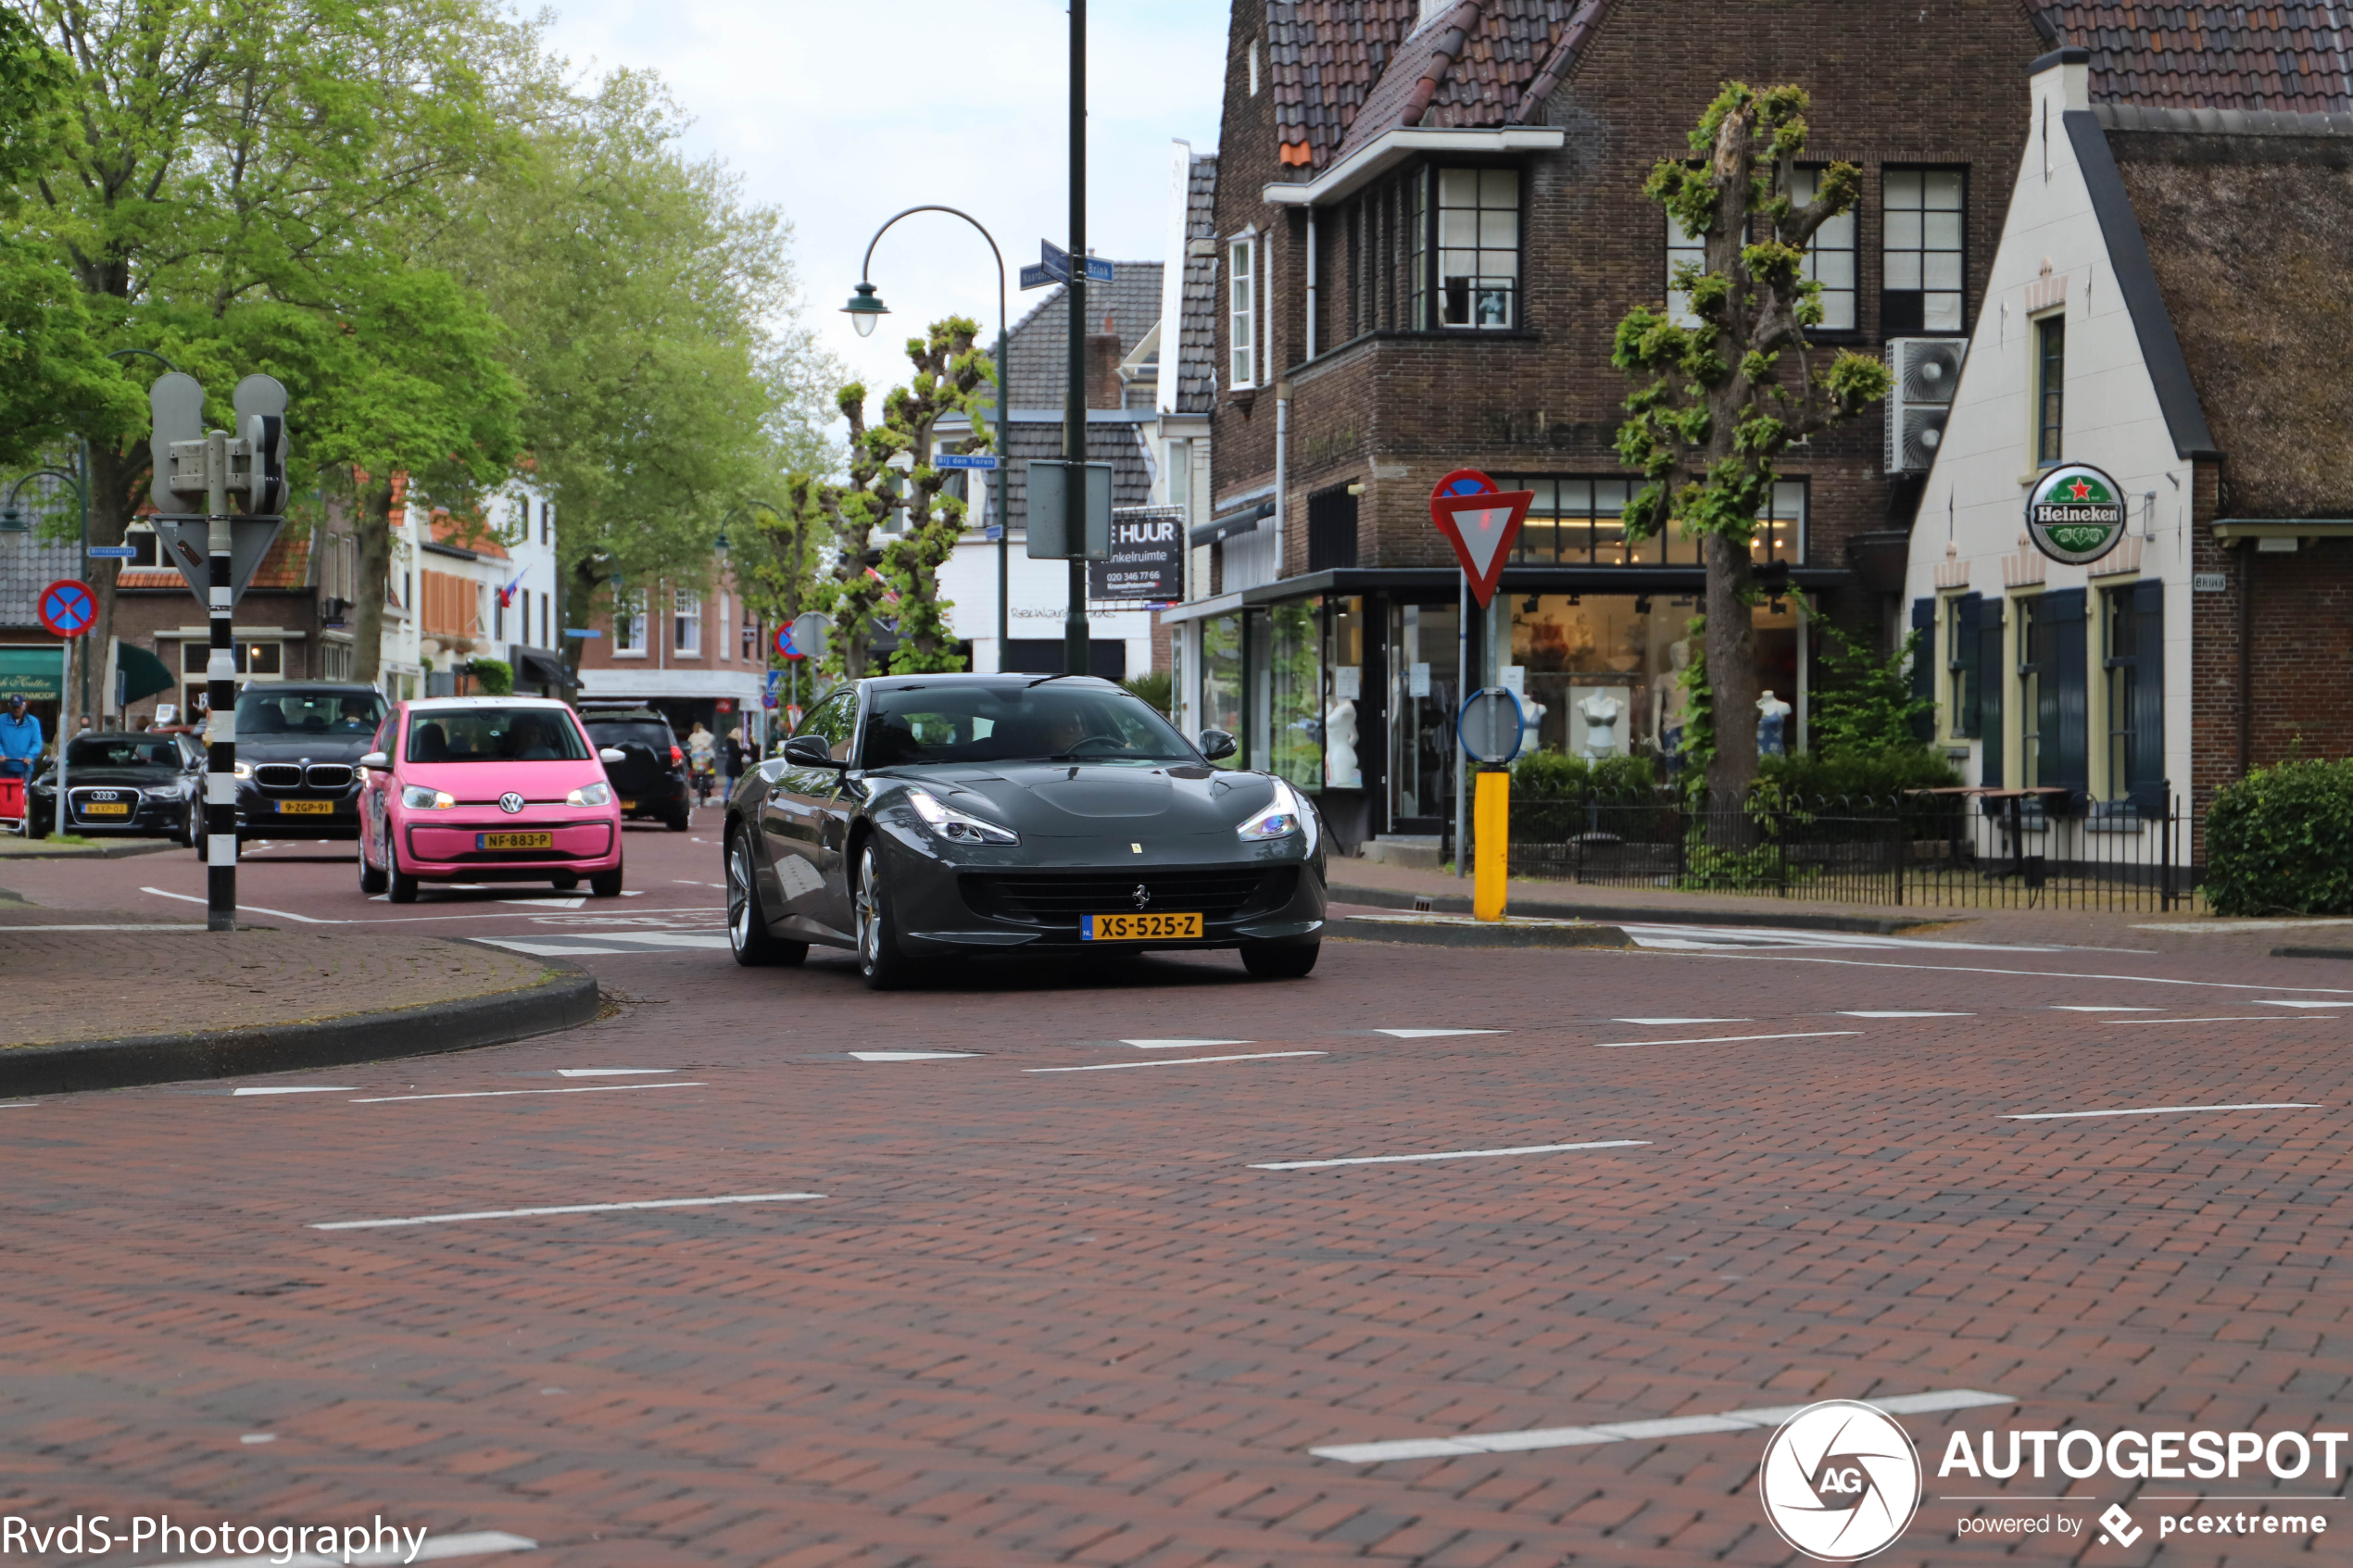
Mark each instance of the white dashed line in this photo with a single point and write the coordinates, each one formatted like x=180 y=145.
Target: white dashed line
x=2162 y=1110
x=910 y=1056
x=1180 y=1062
x=567 y=1209
x=1683 y=1021
x=1183 y=1045
x=1432 y=1034
x=1848 y=1013
x=298 y=1089
x=499 y=1094
x=1453 y=1154
x=1726 y=1039
x=609 y=1072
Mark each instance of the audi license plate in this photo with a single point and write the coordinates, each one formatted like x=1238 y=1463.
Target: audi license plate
x=629 y=806
x=514 y=841
x=105 y=809
x=305 y=807
x=1140 y=928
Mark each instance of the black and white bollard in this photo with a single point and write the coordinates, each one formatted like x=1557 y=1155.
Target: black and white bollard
x=220 y=684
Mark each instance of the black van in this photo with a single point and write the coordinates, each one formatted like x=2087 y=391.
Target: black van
x=652 y=777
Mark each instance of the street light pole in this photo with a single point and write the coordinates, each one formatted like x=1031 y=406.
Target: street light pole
x=865 y=306
x=1074 y=398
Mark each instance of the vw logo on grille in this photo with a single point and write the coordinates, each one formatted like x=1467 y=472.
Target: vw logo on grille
x=1142 y=896
x=102 y=795
x=510 y=803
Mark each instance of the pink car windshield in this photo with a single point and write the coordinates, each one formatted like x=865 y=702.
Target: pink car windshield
x=495 y=734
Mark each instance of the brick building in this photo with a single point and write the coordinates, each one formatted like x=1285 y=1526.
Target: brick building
x=2166 y=331
x=1429 y=221
x=690 y=648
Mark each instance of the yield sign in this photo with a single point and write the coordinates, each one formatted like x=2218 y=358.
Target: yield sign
x=1480 y=524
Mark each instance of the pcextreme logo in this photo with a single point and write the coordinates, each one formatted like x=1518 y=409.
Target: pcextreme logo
x=1840 y=1481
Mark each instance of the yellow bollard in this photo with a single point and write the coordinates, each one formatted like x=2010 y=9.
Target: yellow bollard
x=1492 y=841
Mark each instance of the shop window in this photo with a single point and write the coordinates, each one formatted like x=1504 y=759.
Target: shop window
x=1921 y=251
x=1477 y=247
x=1242 y=314
x=1425 y=654
x=1580 y=521
x=1220 y=681
x=2133 y=673
x=1829 y=257
x=2050 y=389
x=1295 y=691
x=1344 y=689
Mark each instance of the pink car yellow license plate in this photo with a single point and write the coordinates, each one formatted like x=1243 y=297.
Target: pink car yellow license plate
x=514 y=841
x=1141 y=928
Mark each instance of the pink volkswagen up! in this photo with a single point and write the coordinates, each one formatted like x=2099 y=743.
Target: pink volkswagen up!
x=486 y=789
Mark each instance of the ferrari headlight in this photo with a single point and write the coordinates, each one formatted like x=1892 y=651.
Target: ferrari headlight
x=418 y=797
x=955 y=826
x=590 y=795
x=1287 y=816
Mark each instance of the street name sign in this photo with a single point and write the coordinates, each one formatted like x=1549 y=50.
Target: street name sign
x=983 y=460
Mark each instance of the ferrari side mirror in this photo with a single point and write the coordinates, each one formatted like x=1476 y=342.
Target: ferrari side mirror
x=1217 y=744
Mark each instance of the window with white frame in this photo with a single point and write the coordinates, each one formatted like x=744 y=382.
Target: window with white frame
x=1922 y=254
x=629 y=624
x=1241 y=315
x=546 y=522
x=1254 y=67
x=1683 y=247
x=1829 y=255
x=1479 y=248
x=686 y=622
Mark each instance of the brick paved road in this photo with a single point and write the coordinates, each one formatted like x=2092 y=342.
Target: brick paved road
x=1058 y=1317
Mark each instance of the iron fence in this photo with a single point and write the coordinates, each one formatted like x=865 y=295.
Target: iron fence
x=1920 y=849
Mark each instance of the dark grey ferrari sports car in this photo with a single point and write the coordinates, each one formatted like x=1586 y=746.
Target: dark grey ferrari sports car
x=913 y=818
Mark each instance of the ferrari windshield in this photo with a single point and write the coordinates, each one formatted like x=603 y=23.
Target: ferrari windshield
x=967 y=721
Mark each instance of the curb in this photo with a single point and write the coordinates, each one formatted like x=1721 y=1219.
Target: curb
x=1455 y=903
x=2312 y=952
x=565 y=1000
x=1578 y=933
x=93 y=852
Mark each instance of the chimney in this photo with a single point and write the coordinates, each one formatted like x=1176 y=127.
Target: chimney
x=1103 y=356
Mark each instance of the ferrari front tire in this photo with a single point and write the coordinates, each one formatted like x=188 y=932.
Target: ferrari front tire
x=1281 y=960
x=747 y=934
x=879 y=958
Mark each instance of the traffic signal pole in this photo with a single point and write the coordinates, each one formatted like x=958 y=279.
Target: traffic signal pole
x=221 y=690
x=1075 y=659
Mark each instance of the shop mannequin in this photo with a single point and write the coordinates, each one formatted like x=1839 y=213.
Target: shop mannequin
x=1668 y=700
x=1773 y=724
x=1342 y=770
x=1600 y=712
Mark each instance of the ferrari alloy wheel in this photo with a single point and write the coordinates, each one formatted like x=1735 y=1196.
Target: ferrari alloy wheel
x=879 y=959
x=747 y=934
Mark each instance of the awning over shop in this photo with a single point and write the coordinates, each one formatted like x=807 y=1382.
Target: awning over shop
x=1231 y=525
x=537 y=667
x=34 y=673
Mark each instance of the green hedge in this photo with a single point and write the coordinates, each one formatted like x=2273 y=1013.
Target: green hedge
x=1631 y=780
x=2280 y=841
x=1882 y=775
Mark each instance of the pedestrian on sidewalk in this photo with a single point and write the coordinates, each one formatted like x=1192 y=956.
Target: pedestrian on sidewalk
x=698 y=747
x=732 y=754
x=20 y=741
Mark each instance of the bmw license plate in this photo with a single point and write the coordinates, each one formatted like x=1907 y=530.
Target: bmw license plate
x=305 y=807
x=1140 y=928
x=514 y=841
x=106 y=809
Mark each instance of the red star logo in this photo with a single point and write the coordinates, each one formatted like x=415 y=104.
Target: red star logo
x=2082 y=492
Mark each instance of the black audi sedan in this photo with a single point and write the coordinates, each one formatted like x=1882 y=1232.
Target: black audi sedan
x=299 y=750
x=921 y=817
x=651 y=775
x=145 y=786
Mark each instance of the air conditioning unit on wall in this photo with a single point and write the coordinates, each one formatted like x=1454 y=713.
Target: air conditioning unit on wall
x=1926 y=372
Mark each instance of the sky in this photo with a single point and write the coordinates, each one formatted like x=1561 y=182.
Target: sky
x=840 y=114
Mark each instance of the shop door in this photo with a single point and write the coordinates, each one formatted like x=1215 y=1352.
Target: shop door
x=1424 y=666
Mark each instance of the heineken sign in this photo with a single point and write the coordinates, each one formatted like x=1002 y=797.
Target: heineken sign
x=2076 y=514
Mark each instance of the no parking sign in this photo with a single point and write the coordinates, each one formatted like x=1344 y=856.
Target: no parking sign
x=68 y=609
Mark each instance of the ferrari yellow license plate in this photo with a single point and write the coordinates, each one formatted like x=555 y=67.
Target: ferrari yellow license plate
x=1141 y=928
x=105 y=809
x=514 y=841
x=305 y=807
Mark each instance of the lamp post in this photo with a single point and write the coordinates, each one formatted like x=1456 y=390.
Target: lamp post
x=865 y=308
x=1075 y=650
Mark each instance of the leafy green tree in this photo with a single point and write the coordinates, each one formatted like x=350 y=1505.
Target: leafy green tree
x=1720 y=401
x=1864 y=703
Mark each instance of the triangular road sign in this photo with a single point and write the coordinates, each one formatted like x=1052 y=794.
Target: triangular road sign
x=1481 y=528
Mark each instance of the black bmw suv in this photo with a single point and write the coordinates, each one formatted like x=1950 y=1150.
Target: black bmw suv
x=652 y=778
x=298 y=749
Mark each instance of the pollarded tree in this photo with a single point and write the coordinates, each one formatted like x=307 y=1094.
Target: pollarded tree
x=1724 y=397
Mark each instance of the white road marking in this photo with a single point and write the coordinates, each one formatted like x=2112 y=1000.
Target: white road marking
x=497 y=1094
x=632 y=894
x=1453 y=1154
x=1726 y=1039
x=546 y=903
x=2027 y=973
x=20 y=1105
x=2062 y=1007
x=180 y=925
x=608 y=1071
x=1626 y=1431
x=910 y=1056
x=1844 y=1012
x=2212 y=1018
x=1180 y=1062
x=1400 y=1033
x=2273 y=1002
x=1683 y=1021
x=1182 y=1044
x=569 y=1208
x=473 y=1543
x=2162 y=1110
x=550 y=949
x=667 y=938
x=298 y=1089
x=249 y=908
x=258 y=1437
